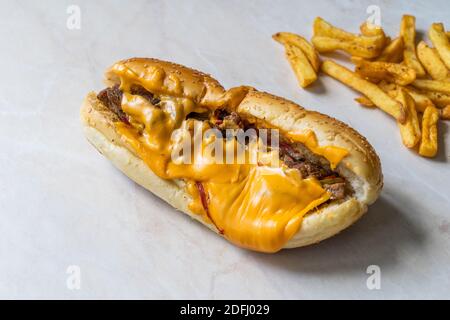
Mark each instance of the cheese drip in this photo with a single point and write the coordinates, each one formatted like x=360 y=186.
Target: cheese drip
x=255 y=207
x=333 y=154
x=264 y=210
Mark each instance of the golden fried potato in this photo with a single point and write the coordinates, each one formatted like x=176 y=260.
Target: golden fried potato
x=421 y=101
x=410 y=131
x=302 y=68
x=432 y=85
x=378 y=70
x=441 y=100
x=441 y=42
x=429 y=144
x=445 y=113
x=365 y=102
x=431 y=61
x=302 y=43
x=408 y=34
x=393 y=52
x=326 y=44
x=370 y=90
x=369 y=30
x=328 y=38
x=325 y=29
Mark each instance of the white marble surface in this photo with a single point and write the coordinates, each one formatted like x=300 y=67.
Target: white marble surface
x=63 y=204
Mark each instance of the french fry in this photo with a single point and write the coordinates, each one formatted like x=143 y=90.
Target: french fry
x=302 y=68
x=302 y=43
x=325 y=29
x=327 y=44
x=445 y=113
x=369 y=30
x=377 y=71
x=431 y=61
x=441 y=100
x=410 y=131
x=365 y=102
x=421 y=101
x=387 y=41
x=429 y=143
x=432 y=85
x=370 y=90
x=387 y=86
x=328 y=38
x=441 y=42
x=393 y=52
x=408 y=34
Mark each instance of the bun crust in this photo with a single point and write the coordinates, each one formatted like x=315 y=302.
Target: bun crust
x=199 y=86
x=361 y=167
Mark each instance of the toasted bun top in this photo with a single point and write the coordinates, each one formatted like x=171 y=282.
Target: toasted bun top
x=168 y=78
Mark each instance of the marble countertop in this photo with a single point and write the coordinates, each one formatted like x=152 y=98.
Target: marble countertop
x=72 y=226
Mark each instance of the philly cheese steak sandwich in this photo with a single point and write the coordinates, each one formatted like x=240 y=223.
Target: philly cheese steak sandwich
x=257 y=169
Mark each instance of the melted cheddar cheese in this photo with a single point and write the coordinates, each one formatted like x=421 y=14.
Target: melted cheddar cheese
x=253 y=206
x=332 y=153
x=265 y=209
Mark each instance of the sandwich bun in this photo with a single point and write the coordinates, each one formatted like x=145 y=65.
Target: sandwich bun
x=361 y=167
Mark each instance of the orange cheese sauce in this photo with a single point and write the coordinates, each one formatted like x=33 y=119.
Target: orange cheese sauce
x=333 y=154
x=255 y=207
x=265 y=209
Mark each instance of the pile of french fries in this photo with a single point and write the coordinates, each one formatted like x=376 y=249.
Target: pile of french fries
x=407 y=81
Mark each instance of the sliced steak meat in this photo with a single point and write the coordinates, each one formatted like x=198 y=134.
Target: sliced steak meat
x=337 y=190
x=141 y=91
x=204 y=116
x=309 y=169
x=287 y=149
x=227 y=120
x=306 y=168
x=219 y=114
x=112 y=99
x=295 y=158
x=222 y=120
x=232 y=121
